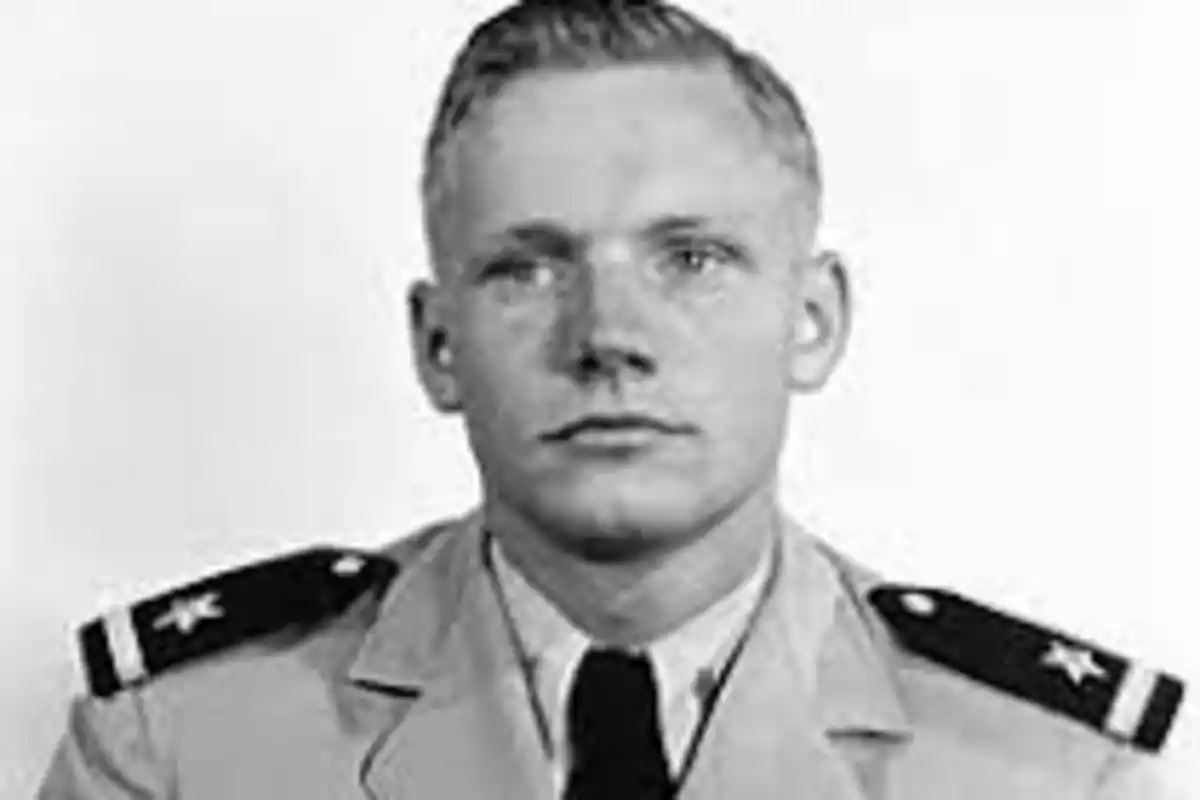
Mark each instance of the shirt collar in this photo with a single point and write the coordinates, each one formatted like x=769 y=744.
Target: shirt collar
x=686 y=661
x=689 y=659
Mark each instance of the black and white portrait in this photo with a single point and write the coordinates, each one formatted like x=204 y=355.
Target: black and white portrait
x=784 y=399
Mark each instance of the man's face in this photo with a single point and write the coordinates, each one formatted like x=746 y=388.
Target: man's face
x=622 y=249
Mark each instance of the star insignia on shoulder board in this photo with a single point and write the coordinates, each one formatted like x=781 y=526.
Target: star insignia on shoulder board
x=1114 y=695
x=1078 y=663
x=186 y=614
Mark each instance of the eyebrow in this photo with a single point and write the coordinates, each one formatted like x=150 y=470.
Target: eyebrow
x=541 y=234
x=553 y=237
x=676 y=224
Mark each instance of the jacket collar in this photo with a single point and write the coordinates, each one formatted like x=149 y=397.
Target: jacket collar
x=814 y=614
x=816 y=660
x=855 y=668
x=423 y=625
x=439 y=646
x=811 y=666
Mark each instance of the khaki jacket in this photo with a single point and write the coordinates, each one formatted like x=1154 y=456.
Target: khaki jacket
x=416 y=694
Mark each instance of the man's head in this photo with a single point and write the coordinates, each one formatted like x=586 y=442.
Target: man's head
x=621 y=208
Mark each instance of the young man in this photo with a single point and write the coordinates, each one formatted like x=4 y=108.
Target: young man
x=621 y=208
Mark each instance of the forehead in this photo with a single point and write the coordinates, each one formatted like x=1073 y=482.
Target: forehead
x=613 y=147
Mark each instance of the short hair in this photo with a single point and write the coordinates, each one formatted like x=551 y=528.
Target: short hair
x=534 y=35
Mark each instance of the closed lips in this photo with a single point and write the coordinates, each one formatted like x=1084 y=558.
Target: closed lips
x=616 y=422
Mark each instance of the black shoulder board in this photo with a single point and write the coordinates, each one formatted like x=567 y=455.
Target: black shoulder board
x=1121 y=698
x=129 y=645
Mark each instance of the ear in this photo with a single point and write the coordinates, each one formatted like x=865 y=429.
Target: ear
x=821 y=327
x=431 y=346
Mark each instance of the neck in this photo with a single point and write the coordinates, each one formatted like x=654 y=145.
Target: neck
x=638 y=601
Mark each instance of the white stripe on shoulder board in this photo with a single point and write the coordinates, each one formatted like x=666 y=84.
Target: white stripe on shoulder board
x=1130 y=704
x=124 y=647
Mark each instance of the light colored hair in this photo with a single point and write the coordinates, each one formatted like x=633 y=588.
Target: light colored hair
x=534 y=35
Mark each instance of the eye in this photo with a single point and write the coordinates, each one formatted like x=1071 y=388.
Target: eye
x=697 y=258
x=519 y=270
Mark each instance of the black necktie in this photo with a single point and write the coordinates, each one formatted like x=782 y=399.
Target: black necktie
x=612 y=722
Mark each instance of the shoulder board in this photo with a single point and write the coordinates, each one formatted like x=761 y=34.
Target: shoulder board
x=129 y=645
x=1116 y=696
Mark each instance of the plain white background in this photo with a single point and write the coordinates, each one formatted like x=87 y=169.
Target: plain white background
x=208 y=216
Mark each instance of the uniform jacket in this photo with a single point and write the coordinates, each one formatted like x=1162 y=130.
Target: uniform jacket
x=414 y=693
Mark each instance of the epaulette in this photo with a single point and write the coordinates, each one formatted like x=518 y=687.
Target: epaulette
x=130 y=645
x=1118 y=697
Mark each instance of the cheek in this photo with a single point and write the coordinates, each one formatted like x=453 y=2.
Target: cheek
x=746 y=337
x=753 y=385
x=498 y=372
x=739 y=372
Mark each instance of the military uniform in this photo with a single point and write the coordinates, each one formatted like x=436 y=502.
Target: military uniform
x=334 y=675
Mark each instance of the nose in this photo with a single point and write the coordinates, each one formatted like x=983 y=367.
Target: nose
x=602 y=332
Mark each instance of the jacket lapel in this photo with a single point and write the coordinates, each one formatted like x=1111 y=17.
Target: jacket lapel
x=808 y=708
x=440 y=639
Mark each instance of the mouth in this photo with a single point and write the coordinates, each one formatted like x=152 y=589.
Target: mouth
x=614 y=426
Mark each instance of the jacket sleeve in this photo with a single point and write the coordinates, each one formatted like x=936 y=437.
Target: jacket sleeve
x=107 y=754
x=1136 y=776
x=1171 y=774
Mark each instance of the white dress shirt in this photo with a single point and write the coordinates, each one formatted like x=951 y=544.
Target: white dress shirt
x=686 y=661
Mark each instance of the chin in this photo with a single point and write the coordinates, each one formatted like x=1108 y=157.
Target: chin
x=612 y=520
